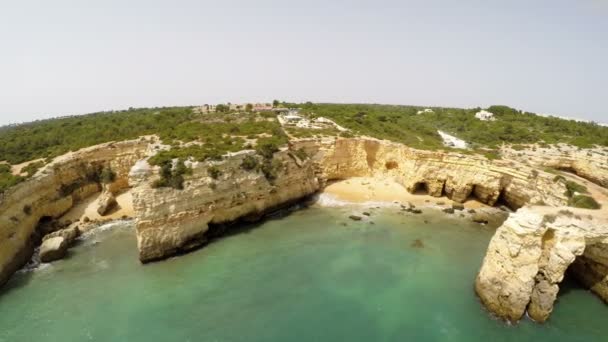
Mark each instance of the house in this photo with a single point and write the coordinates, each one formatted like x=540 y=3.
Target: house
x=485 y=116
x=427 y=110
x=262 y=107
x=206 y=108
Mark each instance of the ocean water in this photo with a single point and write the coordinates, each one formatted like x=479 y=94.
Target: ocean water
x=313 y=275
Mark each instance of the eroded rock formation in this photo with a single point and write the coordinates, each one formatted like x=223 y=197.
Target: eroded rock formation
x=169 y=220
x=456 y=175
x=591 y=164
x=53 y=191
x=530 y=253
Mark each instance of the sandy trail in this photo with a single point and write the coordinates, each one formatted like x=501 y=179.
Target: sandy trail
x=366 y=189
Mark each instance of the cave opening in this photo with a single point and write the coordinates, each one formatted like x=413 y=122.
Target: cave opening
x=503 y=202
x=390 y=165
x=572 y=282
x=420 y=188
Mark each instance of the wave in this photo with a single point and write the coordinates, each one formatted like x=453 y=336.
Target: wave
x=327 y=200
x=88 y=238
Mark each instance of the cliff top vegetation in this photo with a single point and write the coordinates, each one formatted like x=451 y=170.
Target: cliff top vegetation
x=209 y=135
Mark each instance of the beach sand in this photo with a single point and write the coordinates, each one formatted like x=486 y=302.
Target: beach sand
x=365 y=189
x=88 y=208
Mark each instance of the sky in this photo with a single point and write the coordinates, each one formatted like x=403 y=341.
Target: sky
x=65 y=57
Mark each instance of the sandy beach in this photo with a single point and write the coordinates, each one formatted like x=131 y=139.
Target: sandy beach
x=88 y=208
x=365 y=189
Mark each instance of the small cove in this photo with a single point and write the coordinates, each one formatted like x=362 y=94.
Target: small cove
x=310 y=275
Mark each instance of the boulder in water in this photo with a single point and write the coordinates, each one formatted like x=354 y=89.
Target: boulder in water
x=53 y=249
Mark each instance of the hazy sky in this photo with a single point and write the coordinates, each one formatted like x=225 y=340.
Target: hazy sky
x=70 y=57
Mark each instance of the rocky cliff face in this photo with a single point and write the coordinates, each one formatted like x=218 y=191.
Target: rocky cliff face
x=591 y=164
x=458 y=176
x=170 y=221
x=52 y=192
x=529 y=254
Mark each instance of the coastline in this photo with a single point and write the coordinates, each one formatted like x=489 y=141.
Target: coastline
x=360 y=190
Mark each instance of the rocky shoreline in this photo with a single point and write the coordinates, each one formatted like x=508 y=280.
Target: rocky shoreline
x=171 y=221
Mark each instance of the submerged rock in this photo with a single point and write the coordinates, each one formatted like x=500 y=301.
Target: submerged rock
x=355 y=217
x=457 y=206
x=448 y=210
x=417 y=244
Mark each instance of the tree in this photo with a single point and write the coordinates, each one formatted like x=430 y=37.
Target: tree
x=249 y=107
x=275 y=103
x=222 y=108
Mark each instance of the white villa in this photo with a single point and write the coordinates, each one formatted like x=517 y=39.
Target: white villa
x=485 y=116
x=427 y=110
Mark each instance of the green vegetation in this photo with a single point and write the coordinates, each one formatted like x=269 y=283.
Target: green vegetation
x=250 y=163
x=7 y=179
x=107 y=175
x=301 y=154
x=270 y=169
x=212 y=140
x=172 y=176
x=214 y=172
x=576 y=195
x=209 y=136
x=583 y=201
x=403 y=124
x=32 y=168
x=573 y=188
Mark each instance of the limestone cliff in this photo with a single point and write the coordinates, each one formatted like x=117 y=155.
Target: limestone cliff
x=591 y=164
x=53 y=191
x=529 y=254
x=169 y=220
x=440 y=173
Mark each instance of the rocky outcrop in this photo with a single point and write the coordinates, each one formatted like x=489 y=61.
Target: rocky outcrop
x=458 y=176
x=530 y=253
x=53 y=191
x=169 y=221
x=107 y=202
x=53 y=249
x=591 y=164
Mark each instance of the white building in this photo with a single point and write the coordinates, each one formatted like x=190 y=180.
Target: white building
x=427 y=110
x=485 y=116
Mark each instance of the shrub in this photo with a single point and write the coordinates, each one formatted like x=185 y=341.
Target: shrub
x=559 y=178
x=585 y=202
x=270 y=169
x=573 y=187
x=107 y=175
x=171 y=176
x=249 y=163
x=267 y=148
x=27 y=209
x=214 y=172
x=301 y=154
x=32 y=168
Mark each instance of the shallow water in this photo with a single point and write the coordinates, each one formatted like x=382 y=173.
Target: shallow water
x=303 y=277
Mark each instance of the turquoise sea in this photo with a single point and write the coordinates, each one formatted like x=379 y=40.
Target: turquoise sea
x=313 y=275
